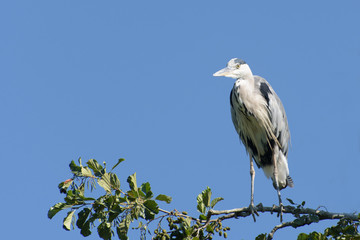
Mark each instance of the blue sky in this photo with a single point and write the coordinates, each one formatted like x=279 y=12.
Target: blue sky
x=116 y=79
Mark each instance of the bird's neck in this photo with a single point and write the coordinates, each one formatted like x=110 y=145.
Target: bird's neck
x=246 y=81
x=246 y=87
x=246 y=73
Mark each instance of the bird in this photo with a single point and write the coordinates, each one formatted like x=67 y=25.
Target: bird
x=260 y=120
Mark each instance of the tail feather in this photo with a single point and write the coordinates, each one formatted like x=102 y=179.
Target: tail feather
x=289 y=182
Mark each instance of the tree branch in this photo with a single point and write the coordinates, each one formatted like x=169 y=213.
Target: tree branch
x=296 y=223
x=303 y=216
x=245 y=211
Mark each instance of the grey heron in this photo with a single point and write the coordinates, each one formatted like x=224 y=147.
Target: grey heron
x=260 y=120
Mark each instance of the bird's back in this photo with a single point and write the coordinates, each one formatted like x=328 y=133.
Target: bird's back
x=277 y=113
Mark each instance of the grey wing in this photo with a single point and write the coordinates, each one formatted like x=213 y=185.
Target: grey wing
x=276 y=112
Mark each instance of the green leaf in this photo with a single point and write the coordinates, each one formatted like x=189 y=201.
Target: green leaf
x=70 y=197
x=75 y=169
x=145 y=188
x=203 y=200
x=209 y=229
x=132 y=182
x=119 y=161
x=202 y=217
x=99 y=204
x=82 y=216
x=86 y=198
x=56 y=208
x=96 y=167
x=316 y=236
x=114 y=180
x=105 y=182
x=151 y=208
x=104 y=230
x=187 y=222
x=68 y=220
x=80 y=190
x=85 y=230
x=114 y=212
x=137 y=212
x=201 y=207
x=86 y=172
x=215 y=201
x=303 y=236
x=121 y=233
x=132 y=195
x=123 y=229
x=290 y=201
x=109 y=200
x=164 y=198
x=63 y=186
x=207 y=196
x=261 y=237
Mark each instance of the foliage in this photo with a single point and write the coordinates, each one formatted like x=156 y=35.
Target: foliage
x=117 y=209
x=344 y=230
x=113 y=213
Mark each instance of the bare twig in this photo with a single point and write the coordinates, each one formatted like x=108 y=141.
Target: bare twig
x=282 y=225
x=177 y=213
x=296 y=223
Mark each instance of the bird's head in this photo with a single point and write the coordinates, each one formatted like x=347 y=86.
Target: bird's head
x=236 y=68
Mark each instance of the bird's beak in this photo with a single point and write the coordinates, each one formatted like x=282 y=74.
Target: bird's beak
x=222 y=72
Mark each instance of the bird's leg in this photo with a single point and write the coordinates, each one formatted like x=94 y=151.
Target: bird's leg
x=252 y=174
x=277 y=188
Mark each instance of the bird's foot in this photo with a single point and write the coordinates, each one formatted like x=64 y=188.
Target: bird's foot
x=273 y=209
x=253 y=211
x=280 y=213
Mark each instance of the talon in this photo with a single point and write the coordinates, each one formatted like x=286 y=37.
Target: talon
x=253 y=211
x=273 y=208
x=280 y=213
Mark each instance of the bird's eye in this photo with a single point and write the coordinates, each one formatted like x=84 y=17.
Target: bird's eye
x=237 y=66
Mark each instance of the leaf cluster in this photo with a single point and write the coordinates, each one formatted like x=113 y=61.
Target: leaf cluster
x=115 y=210
x=345 y=229
x=182 y=226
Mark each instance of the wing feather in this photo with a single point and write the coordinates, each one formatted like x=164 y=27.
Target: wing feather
x=277 y=113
